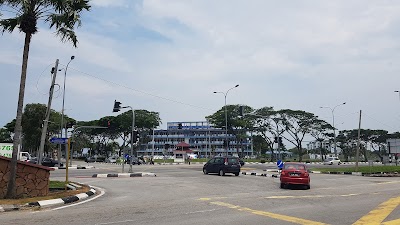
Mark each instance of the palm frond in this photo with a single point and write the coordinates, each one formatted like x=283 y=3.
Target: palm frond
x=9 y=24
x=67 y=35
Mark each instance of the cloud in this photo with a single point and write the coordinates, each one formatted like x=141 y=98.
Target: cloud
x=298 y=55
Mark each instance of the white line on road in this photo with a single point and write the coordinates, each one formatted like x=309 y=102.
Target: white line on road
x=202 y=211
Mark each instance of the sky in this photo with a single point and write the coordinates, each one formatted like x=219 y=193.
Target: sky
x=169 y=56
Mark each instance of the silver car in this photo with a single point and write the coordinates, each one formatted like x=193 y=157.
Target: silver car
x=111 y=159
x=332 y=161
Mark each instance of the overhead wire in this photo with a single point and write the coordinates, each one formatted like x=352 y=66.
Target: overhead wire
x=37 y=82
x=140 y=91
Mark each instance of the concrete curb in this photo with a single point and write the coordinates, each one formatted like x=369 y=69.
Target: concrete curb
x=74 y=167
x=65 y=200
x=125 y=175
x=259 y=174
x=50 y=202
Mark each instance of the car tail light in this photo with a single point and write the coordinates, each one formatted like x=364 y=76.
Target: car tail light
x=226 y=161
x=283 y=173
x=305 y=174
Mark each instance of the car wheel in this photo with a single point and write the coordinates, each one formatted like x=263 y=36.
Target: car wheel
x=282 y=185
x=236 y=174
x=221 y=173
x=308 y=187
x=205 y=171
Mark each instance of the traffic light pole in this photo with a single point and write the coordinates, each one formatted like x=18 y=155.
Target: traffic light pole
x=116 y=108
x=133 y=127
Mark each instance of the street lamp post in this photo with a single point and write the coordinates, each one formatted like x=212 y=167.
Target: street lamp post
x=62 y=110
x=226 y=116
x=333 y=124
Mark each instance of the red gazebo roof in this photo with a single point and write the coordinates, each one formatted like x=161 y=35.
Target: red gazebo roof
x=183 y=144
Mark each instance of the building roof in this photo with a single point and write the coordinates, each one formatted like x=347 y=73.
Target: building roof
x=183 y=144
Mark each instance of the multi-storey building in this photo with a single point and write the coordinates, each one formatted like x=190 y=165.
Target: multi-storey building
x=203 y=138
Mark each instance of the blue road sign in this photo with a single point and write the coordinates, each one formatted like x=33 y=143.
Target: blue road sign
x=279 y=164
x=56 y=140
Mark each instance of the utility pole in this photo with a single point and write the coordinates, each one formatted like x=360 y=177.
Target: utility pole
x=46 y=121
x=358 y=142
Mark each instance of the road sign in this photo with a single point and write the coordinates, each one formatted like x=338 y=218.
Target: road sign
x=56 y=140
x=279 y=164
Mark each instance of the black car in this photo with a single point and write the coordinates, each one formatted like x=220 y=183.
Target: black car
x=45 y=161
x=222 y=165
x=49 y=162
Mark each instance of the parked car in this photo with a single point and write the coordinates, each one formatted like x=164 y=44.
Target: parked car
x=90 y=159
x=33 y=160
x=135 y=161
x=222 y=165
x=46 y=161
x=332 y=161
x=112 y=159
x=49 y=162
x=295 y=173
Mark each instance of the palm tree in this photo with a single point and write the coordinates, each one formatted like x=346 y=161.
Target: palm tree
x=64 y=16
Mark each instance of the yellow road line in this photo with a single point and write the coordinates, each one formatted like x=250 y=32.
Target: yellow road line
x=393 y=222
x=247 y=168
x=268 y=214
x=380 y=213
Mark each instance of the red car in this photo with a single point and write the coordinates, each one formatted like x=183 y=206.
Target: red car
x=295 y=173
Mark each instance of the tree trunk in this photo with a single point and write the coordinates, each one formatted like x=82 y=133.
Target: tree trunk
x=11 y=189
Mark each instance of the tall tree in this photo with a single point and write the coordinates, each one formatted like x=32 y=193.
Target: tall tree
x=236 y=124
x=64 y=16
x=296 y=124
x=265 y=126
x=5 y=136
x=320 y=130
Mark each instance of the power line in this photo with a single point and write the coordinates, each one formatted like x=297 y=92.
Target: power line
x=140 y=91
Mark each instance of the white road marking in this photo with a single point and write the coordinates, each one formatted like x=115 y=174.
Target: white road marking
x=201 y=211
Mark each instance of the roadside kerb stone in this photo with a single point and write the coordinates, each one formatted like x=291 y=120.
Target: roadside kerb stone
x=139 y=174
x=50 y=202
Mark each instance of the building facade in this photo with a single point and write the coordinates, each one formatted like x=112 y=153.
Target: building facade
x=203 y=138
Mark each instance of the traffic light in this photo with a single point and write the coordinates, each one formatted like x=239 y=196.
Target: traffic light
x=136 y=136
x=179 y=126
x=275 y=139
x=70 y=124
x=117 y=106
x=108 y=124
x=280 y=141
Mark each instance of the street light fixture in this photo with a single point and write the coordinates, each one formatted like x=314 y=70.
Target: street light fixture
x=226 y=116
x=62 y=110
x=333 y=124
x=399 y=94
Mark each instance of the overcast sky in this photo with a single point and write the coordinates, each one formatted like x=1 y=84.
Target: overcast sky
x=169 y=56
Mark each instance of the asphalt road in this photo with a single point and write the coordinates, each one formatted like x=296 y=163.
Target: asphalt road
x=181 y=194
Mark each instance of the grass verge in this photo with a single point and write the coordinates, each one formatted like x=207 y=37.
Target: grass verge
x=363 y=169
x=51 y=195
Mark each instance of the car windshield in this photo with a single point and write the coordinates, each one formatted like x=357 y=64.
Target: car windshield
x=294 y=167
